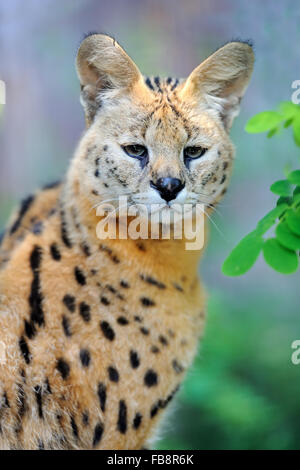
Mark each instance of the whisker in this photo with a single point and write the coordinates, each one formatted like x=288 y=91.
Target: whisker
x=215 y=225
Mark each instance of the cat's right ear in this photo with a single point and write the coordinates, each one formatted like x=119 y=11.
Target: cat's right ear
x=102 y=64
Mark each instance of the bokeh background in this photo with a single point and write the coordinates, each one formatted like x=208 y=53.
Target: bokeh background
x=243 y=391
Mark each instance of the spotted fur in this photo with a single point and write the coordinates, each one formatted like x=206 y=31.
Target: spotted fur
x=97 y=334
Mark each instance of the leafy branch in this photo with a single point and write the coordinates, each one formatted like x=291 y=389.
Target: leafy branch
x=280 y=251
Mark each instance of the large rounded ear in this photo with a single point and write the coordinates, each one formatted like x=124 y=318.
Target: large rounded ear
x=102 y=64
x=222 y=79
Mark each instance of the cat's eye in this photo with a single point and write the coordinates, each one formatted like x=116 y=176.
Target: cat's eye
x=191 y=153
x=135 y=150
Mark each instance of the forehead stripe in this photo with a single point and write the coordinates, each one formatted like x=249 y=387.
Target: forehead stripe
x=149 y=84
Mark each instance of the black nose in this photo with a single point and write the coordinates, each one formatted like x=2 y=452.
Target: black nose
x=168 y=187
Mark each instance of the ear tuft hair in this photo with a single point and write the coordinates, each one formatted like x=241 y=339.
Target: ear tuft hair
x=248 y=41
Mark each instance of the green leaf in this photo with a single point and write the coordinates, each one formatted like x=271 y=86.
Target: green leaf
x=288 y=123
x=286 y=237
x=289 y=109
x=273 y=131
x=294 y=177
x=293 y=222
x=284 y=200
x=282 y=188
x=287 y=169
x=296 y=129
x=279 y=258
x=263 y=122
x=296 y=195
x=244 y=255
x=268 y=220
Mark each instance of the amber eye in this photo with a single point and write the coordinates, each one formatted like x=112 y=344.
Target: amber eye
x=194 y=152
x=135 y=150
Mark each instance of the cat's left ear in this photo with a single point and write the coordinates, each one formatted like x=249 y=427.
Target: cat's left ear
x=102 y=64
x=222 y=79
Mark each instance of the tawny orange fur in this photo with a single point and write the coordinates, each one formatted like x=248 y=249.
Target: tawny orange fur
x=97 y=335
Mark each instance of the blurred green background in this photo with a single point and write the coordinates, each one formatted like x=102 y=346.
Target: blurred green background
x=243 y=390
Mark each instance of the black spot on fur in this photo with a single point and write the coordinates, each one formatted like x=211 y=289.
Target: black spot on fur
x=122 y=321
x=144 y=330
x=223 y=179
x=97 y=174
x=111 y=289
x=55 y=253
x=63 y=367
x=163 y=340
x=21 y=401
x=175 y=84
x=157 y=83
x=122 y=419
x=85 y=357
x=74 y=427
x=36 y=257
x=5 y=400
x=113 y=374
x=64 y=232
x=69 y=301
x=178 y=287
x=150 y=378
x=155 y=408
x=25 y=205
x=97 y=434
x=134 y=359
x=102 y=395
x=66 y=326
x=24 y=349
x=30 y=330
x=38 y=397
x=124 y=284
x=79 y=276
x=149 y=84
x=85 y=311
x=107 y=330
x=48 y=387
x=104 y=300
x=86 y=249
x=146 y=302
x=85 y=418
x=35 y=298
x=178 y=368
x=137 y=421
x=152 y=281
x=154 y=349
x=141 y=247
x=170 y=397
